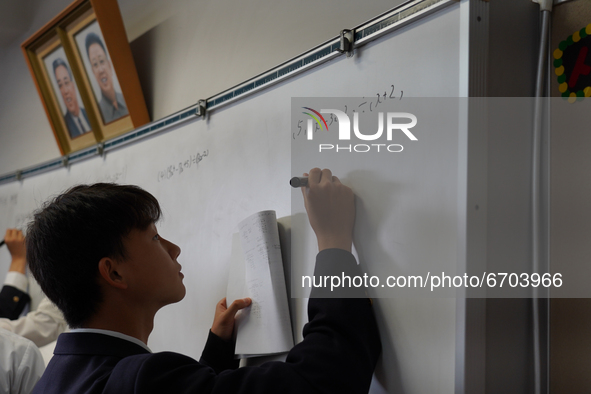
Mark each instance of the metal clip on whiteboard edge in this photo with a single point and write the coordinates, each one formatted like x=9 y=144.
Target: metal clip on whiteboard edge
x=100 y=149
x=545 y=5
x=347 y=38
x=19 y=175
x=65 y=161
x=201 y=108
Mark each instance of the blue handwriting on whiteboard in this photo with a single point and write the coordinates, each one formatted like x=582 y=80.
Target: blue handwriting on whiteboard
x=177 y=169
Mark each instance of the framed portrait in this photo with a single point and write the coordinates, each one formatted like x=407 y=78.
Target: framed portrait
x=85 y=75
x=66 y=93
x=60 y=95
x=99 y=71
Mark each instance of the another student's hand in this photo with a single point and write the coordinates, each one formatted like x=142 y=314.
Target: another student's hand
x=15 y=241
x=331 y=209
x=223 y=322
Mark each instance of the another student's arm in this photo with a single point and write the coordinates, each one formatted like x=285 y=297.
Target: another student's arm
x=13 y=296
x=42 y=326
x=15 y=242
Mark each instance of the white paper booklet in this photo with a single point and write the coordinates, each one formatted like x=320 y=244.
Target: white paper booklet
x=256 y=271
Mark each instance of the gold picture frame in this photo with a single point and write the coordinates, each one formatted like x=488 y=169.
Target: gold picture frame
x=85 y=75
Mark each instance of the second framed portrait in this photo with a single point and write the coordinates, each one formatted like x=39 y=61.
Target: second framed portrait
x=99 y=71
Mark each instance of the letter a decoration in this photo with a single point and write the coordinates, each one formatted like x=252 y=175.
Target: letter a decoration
x=572 y=65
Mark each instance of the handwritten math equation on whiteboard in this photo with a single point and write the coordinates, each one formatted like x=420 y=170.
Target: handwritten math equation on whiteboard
x=184 y=165
x=8 y=200
x=369 y=104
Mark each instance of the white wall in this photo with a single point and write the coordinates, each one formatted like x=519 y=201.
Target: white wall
x=184 y=51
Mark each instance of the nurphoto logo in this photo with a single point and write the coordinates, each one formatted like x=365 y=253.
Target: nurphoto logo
x=344 y=122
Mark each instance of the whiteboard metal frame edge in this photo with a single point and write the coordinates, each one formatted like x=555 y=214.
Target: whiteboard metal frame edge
x=436 y=5
x=471 y=312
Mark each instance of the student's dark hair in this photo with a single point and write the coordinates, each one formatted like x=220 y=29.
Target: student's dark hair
x=70 y=234
x=93 y=38
x=61 y=62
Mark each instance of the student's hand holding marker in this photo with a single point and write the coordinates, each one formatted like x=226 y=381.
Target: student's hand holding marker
x=15 y=242
x=331 y=209
x=223 y=322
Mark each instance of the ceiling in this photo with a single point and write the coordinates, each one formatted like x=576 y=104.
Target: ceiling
x=16 y=17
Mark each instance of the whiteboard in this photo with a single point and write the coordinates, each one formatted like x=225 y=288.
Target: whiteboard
x=209 y=174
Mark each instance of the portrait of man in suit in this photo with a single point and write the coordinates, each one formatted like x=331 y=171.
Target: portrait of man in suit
x=75 y=117
x=111 y=103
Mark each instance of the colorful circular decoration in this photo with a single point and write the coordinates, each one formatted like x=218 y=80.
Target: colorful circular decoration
x=572 y=65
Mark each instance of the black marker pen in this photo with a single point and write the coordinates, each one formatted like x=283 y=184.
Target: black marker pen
x=298 y=181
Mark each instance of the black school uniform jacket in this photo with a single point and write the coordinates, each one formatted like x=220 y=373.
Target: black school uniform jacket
x=12 y=302
x=338 y=355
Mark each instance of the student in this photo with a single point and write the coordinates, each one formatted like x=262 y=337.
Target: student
x=13 y=296
x=97 y=254
x=21 y=364
x=44 y=324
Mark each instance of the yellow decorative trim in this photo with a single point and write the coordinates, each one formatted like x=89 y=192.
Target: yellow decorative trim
x=559 y=71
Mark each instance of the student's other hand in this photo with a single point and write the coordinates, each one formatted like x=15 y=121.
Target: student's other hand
x=331 y=209
x=15 y=241
x=223 y=322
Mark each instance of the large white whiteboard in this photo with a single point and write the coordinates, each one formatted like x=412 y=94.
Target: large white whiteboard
x=237 y=162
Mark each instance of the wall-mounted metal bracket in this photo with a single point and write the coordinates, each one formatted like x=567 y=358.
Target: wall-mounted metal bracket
x=347 y=39
x=201 y=108
x=100 y=149
x=545 y=5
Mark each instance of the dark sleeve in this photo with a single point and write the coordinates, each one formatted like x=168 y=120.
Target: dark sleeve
x=12 y=302
x=219 y=354
x=338 y=354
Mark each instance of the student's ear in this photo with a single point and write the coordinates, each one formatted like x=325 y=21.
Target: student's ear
x=108 y=270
